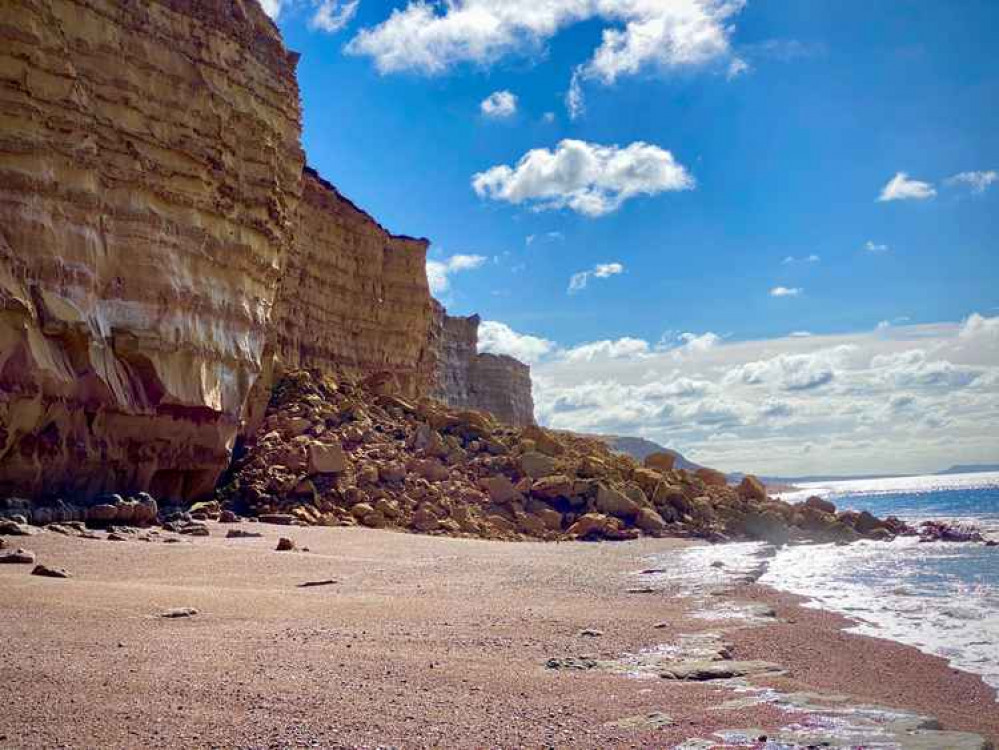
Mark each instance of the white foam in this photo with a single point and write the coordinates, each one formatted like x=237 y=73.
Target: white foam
x=896 y=591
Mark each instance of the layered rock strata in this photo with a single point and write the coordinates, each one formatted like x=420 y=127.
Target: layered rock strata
x=498 y=384
x=353 y=296
x=150 y=174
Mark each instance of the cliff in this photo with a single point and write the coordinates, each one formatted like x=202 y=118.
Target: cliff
x=354 y=298
x=150 y=173
x=165 y=254
x=498 y=384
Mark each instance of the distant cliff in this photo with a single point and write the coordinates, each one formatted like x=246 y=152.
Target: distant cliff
x=164 y=250
x=490 y=382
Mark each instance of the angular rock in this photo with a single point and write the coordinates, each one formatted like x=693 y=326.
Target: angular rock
x=326 y=458
x=47 y=572
x=537 y=465
x=660 y=461
x=17 y=557
x=615 y=503
x=752 y=488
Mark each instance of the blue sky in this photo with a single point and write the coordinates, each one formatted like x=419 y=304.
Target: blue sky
x=719 y=183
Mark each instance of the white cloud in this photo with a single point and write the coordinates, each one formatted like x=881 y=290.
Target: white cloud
x=499 y=104
x=440 y=271
x=752 y=405
x=736 y=68
x=272 y=7
x=800 y=334
x=499 y=338
x=979 y=329
x=548 y=117
x=578 y=281
x=900 y=188
x=587 y=178
x=574 y=102
x=790 y=259
x=978 y=182
x=783 y=291
x=619 y=349
x=665 y=34
x=873 y=247
x=333 y=15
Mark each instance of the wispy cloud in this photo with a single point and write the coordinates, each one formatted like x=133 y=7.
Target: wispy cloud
x=333 y=15
x=901 y=188
x=578 y=281
x=977 y=182
x=790 y=259
x=873 y=247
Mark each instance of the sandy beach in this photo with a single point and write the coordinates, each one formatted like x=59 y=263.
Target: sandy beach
x=420 y=642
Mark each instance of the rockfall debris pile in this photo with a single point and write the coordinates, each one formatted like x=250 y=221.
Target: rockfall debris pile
x=334 y=451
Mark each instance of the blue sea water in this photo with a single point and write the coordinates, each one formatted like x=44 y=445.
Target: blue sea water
x=942 y=598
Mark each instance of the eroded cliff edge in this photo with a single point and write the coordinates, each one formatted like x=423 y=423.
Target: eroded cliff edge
x=164 y=250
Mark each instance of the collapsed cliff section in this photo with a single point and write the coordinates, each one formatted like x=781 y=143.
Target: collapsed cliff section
x=337 y=451
x=150 y=174
x=495 y=383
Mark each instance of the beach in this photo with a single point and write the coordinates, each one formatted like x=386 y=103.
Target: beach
x=418 y=641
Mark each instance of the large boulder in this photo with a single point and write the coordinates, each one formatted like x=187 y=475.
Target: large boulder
x=649 y=521
x=615 y=503
x=817 y=503
x=594 y=524
x=327 y=458
x=752 y=488
x=537 y=465
x=660 y=461
x=711 y=477
x=500 y=489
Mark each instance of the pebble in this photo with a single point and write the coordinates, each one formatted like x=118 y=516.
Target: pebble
x=179 y=612
x=47 y=572
x=17 y=557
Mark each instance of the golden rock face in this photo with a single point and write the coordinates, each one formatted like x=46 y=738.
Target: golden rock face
x=165 y=254
x=150 y=175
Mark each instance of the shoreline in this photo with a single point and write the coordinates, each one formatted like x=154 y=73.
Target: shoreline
x=421 y=641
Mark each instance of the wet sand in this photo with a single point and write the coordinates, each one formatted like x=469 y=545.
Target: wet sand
x=422 y=642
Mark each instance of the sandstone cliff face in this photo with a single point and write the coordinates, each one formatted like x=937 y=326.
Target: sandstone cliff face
x=498 y=384
x=150 y=174
x=354 y=298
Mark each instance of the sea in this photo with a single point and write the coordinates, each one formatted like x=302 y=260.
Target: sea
x=942 y=598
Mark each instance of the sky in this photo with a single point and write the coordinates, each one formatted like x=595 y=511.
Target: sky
x=761 y=233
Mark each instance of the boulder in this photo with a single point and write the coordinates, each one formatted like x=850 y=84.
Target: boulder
x=593 y=524
x=282 y=519
x=146 y=510
x=817 y=503
x=615 y=503
x=17 y=557
x=424 y=520
x=649 y=521
x=392 y=472
x=552 y=487
x=500 y=489
x=544 y=441
x=660 y=461
x=752 y=488
x=285 y=545
x=9 y=527
x=537 y=465
x=47 y=572
x=326 y=458
x=711 y=477
x=103 y=513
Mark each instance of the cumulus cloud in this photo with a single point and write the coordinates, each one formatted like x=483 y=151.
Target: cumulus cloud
x=784 y=291
x=499 y=338
x=901 y=188
x=333 y=15
x=578 y=281
x=433 y=37
x=978 y=328
x=619 y=349
x=587 y=178
x=440 y=271
x=693 y=343
x=499 y=104
x=790 y=372
x=873 y=247
x=977 y=182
